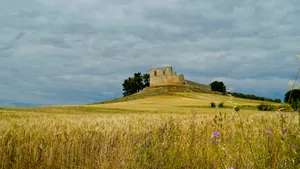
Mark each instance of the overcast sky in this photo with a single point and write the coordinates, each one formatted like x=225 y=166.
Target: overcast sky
x=80 y=51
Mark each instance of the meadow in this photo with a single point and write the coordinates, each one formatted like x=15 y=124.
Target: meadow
x=158 y=132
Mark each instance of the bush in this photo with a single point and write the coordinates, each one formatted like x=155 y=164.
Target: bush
x=285 y=107
x=213 y=105
x=295 y=104
x=269 y=107
x=266 y=107
x=221 y=104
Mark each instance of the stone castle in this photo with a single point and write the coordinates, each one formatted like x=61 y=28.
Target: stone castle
x=165 y=76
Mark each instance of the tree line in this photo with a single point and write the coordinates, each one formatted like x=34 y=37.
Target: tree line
x=253 y=97
x=219 y=86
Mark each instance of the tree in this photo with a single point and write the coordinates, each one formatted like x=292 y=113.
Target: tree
x=218 y=86
x=253 y=97
x=295 y=104
x=277 y=100
x=128 y=86
x=295 y=95
x=136 y=83
x=146 y=79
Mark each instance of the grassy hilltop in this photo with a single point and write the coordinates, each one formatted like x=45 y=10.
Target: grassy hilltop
x=157 y=128
x=178 y=99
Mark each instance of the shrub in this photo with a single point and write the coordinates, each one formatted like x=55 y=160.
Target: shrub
x=266 y=107
x=285 y=107
x=213 y=105
x=270 y=107
x=237 y=108
x=221 y=104
x=295 y=104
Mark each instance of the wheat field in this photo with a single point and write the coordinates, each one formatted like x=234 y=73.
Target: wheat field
x=156 y=132
x=183 y=102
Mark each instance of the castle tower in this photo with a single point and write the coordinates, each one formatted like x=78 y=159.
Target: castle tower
x=165 y=76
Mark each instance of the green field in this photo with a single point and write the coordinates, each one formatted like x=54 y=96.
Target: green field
x=160 y=131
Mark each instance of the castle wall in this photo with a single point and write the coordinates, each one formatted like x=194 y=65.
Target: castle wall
x=161 y=71
x=166 y=80
x=165 y=76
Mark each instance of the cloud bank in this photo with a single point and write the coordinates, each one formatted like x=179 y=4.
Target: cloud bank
x=57 y=52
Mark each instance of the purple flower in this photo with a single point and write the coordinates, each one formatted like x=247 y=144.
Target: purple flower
x=216 y=134
x=293 y=146
x=284 y=130
x=214 y=141
x=268 y=132
x=226 y=154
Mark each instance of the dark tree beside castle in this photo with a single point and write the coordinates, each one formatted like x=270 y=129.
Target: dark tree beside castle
x=136 y=83
x=218 y=86
x=146 y=80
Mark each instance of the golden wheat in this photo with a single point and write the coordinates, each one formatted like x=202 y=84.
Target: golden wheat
x=89 y=137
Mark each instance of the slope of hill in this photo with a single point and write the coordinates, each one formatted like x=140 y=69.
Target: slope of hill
x=161 y=90
x=177 y=99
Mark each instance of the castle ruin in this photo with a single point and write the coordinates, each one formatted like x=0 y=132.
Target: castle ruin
x=165 y=76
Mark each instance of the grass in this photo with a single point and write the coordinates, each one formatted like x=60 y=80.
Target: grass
x=170 y=90
x=163 y=131
x=181 y=102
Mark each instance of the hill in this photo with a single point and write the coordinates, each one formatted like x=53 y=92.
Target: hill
x=161 y=90
x=177 y=99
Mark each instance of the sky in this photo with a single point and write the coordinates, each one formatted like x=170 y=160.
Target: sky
x=61 y=52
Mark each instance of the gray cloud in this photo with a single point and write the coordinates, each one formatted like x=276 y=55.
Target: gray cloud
x=6 y=47
x=80 y=28
x=20 y=35
x=56 y=52
x=24 y=13
x=54 y=42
